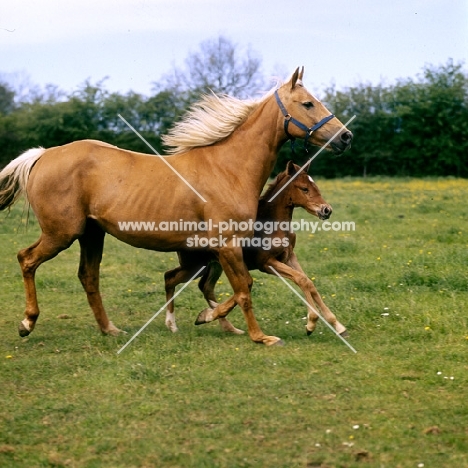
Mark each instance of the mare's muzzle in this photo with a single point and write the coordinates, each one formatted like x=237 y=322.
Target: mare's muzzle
x=343 y=143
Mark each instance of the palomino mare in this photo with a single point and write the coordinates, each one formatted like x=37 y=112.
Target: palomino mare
x=262 y=254
x=84 y=189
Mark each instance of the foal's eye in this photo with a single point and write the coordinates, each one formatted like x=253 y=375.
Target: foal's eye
x=308 y=104
x=304 y=189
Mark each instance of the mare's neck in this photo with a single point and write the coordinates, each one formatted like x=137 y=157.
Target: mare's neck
x=257 y=142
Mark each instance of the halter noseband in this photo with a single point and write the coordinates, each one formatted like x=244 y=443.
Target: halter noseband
x=308 y=130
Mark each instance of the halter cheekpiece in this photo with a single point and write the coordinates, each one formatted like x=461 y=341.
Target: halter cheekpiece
x=308 y=130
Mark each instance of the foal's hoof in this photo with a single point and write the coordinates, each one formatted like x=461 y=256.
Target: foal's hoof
x=22 y=330
x=344 y=334
x=309 y=332
x=172 y=327
x=205 y=316
x=228 y=327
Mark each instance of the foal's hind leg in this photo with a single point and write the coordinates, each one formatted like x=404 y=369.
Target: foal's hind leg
x=207 y=286
x=45 y=248
x=208 y=281
x=92 y=244
x=172 y=278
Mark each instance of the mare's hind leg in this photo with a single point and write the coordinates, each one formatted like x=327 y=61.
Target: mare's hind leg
x=45 y=248
x=207 y=286
x=92 y=244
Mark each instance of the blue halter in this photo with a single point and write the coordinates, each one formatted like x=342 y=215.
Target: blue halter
x=308 y=130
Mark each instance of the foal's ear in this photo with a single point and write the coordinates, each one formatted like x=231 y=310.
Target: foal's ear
x=301 y=73
x=291 y=170
x=306 y=168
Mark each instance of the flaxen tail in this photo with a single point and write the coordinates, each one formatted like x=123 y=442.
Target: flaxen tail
x=14 y=177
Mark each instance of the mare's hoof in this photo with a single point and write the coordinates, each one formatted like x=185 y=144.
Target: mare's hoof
x=22 y=330
x=273 y=341
x=279 y=343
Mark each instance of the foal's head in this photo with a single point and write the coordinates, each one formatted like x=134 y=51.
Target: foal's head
x=303 y=192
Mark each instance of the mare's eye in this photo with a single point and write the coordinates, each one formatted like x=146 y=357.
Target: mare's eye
x=308 y=104
x=304 y=189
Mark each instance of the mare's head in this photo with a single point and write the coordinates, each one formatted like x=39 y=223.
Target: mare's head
x=305 y=117
x=303 y=192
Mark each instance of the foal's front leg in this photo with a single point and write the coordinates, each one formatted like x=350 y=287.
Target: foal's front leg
x=294 y=272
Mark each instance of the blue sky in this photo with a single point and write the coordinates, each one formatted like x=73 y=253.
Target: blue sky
x=135 y=42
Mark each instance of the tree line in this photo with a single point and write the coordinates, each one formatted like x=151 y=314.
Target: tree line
x=415 y=127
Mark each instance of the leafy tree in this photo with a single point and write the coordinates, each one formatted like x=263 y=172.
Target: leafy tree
x=219 y=66
x=7 y=99
x=432 y=115
x=414 y=127
x=372 y=129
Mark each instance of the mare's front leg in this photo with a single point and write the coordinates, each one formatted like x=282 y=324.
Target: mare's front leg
x=294 y=272
x=234 y=267
x=207 y=286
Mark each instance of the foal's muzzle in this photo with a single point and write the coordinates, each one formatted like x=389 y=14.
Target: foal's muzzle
x=324 y=212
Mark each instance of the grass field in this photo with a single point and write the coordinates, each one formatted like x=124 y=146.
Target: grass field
x=200 y=398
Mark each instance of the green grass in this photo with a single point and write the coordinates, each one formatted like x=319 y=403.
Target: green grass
x=204 y=399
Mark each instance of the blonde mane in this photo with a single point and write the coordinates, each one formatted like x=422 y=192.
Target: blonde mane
x=209 y=120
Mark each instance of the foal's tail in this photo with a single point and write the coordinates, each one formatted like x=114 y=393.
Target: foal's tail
x=14 y=177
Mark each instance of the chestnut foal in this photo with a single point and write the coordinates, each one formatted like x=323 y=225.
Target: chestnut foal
x=275 y=249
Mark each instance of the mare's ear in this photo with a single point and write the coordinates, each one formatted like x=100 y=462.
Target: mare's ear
x=301 y=73
x=291 y=170
x=306 y=168
x=297 y=77
x=294 y=78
